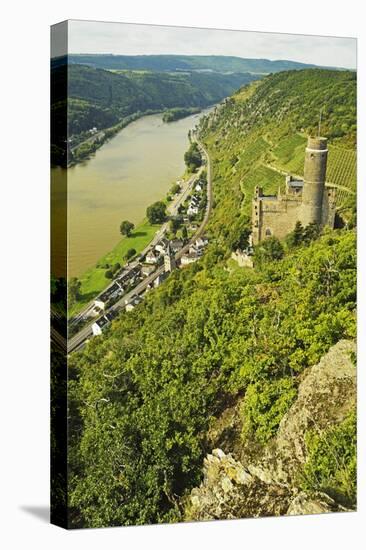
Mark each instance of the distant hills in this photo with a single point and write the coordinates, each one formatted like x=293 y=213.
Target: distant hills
x=172 y=63
x=104 y=99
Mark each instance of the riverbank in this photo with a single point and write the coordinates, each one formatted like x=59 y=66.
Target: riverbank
x=85 y=149
x=94 y=281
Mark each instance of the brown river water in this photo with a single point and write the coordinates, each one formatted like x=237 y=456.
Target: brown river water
x=132 y=170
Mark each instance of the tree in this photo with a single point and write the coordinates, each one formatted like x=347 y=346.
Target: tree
x=311 y=232
x=184 y=232
x=108 y=274
x=156 y=212
x=174 y=225
x=296 y=236
x=130 y=253
x=73 y=290
x=192 y=157
x=270 y=249
x=175 y=188
x=126 y=227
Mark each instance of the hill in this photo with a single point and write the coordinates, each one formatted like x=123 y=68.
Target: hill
x=103 y=99
x=214 y=63
x=261 y=132
x=158 y=391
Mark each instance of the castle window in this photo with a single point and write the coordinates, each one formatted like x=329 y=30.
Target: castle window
x=268 y=232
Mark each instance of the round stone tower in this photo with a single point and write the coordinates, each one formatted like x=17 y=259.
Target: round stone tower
x=315 y=168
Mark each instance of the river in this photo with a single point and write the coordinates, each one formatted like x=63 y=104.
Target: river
x=132 y=170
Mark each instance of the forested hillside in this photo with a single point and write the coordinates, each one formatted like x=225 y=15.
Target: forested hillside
x=104 y=99
x=215 y=63
x=121 y=94
x=145 y=397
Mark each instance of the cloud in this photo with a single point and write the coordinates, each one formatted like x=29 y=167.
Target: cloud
x=133 y=39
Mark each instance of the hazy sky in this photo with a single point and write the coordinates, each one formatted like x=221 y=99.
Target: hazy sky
x=131 y=39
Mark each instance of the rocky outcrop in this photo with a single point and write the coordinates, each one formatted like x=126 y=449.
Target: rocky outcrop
x=233 y=488
x=325 y=397
x=229 y=491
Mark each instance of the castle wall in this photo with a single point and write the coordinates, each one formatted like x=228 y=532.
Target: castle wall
x=279 y=218
x=277 y=215
x=328 y=210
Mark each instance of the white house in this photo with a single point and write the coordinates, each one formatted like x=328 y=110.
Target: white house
x=148 y=269
x=99 y=303
x=152 y=257
x=192 y=210
x=198 y=187
x=160 y=278
x=161 y=246
x=135 y=300
x=190 y=258
x=100 y=324
x=201 y=242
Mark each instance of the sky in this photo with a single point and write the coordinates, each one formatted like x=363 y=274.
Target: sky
x=136 y=39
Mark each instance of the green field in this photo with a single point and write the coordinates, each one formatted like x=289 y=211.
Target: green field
x=94 y=281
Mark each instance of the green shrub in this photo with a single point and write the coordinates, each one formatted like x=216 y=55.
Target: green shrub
x=264 y=405
x=331 y=464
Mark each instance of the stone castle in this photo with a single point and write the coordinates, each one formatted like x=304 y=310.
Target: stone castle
x=307 y=201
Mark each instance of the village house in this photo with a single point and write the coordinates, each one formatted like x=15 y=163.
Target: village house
x=135 y=301
x=192 y=210
x=189 y=258
x=160 y=278
x=162 y=245
x=195 y=251
x=116 y=289
x=147 y=269
x=101 y=324
x=176 y=245
x=201 y=242
x=152 y=257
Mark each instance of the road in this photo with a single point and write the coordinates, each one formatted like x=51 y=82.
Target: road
x=78 y=341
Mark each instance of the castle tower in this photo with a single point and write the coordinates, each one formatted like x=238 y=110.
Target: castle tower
x=169 y=260
x=316 y=154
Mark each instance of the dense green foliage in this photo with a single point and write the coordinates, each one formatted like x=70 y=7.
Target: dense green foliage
x=332 y=462
x=185 y=63
x=264 y=406
x=102 y=98
x=156 y=213
x=192 y=157
x=142 y=396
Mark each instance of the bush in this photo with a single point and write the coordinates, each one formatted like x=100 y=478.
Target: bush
x=109 y=274
x=268 y=250
x=130 y=253
x=264 y=406
x=331 y=464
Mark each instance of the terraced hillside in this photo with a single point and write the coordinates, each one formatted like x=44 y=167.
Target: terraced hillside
x=259 y=134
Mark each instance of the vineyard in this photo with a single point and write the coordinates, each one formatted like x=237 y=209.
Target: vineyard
x=341 y=169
